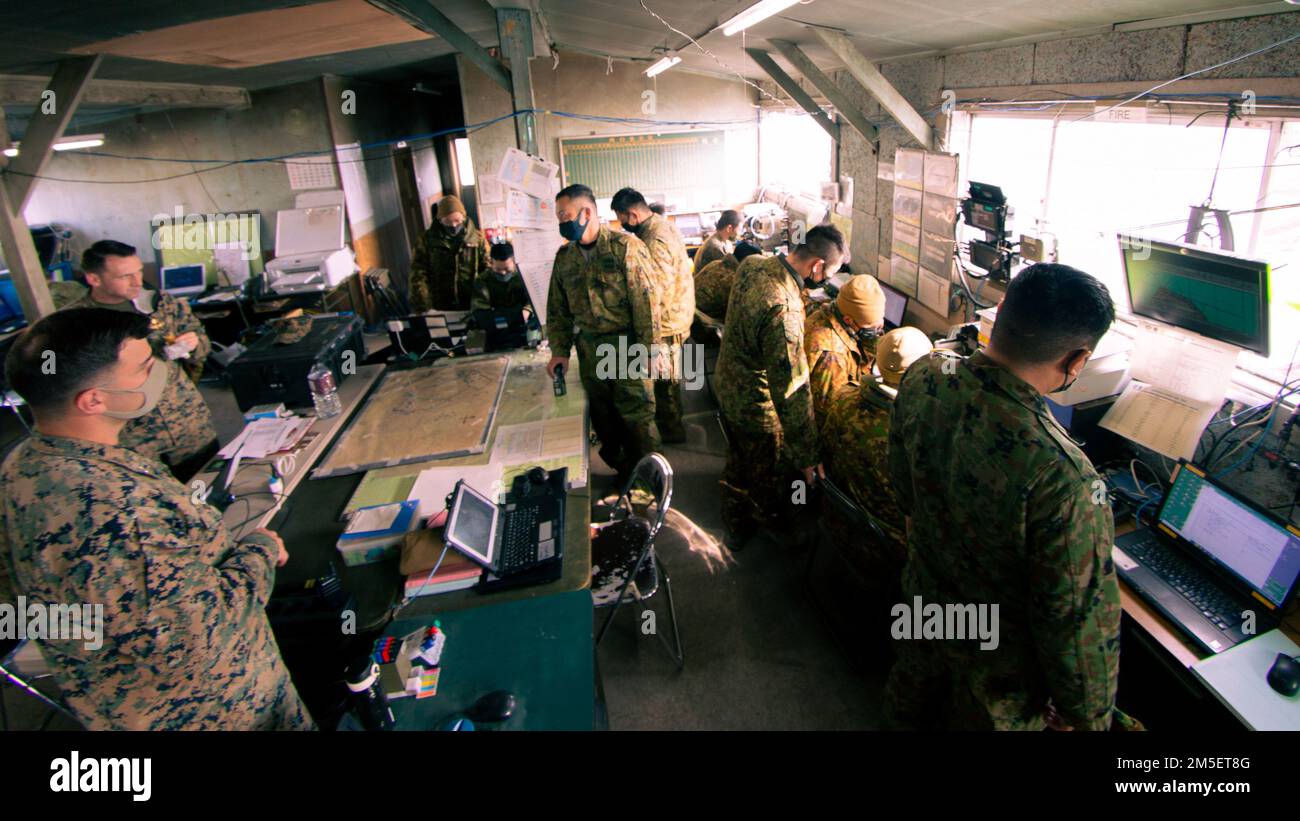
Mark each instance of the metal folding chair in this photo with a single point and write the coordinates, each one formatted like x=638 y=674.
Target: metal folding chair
x=10 y=672
x=623 y=554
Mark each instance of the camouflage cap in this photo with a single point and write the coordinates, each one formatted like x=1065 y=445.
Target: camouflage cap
x=897 y=350
x=290 y=329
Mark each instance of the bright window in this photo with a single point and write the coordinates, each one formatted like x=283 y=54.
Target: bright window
x=1085 y=181
x=794 y=152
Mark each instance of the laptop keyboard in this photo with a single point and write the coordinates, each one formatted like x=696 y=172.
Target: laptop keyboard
x=1187 y=579
x=519 y=541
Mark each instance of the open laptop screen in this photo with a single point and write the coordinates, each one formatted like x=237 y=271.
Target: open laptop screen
x=473 y=524
x=1254 y=546
x=895 y=307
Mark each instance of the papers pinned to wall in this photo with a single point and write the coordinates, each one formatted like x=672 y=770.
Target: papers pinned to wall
x=533 y=176
x=535 y=256
x=524 y=211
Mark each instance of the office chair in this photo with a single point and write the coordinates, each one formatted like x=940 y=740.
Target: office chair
x=623 y=555
x=832 y=579
x=10 y=672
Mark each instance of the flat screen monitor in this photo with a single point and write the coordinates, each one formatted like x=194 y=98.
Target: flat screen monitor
x=1212 y=293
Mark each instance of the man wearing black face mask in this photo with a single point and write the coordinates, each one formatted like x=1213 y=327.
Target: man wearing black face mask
x=840 y=338
x=761 y=380
x=602 y=299
x=500 y=286
x=1003 y=509
x=447 y=260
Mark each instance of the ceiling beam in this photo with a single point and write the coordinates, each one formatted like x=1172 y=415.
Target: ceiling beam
x=796 y=92
x=54 y=109
x=422 y=15
x=19 y=248
x=865 y=72
x=515 y=32
x=846 y=108
x=22 y=89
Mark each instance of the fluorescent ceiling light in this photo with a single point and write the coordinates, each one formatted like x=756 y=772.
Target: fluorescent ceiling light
x=65 y=144
x=759 y=11
x=668 y=61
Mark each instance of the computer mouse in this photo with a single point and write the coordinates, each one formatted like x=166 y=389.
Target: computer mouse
x=496 y=706
x=1284 y=675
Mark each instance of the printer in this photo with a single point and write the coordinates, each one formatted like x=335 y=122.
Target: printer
x=310 y=253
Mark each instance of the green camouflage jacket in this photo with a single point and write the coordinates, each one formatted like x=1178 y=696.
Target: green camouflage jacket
x=444 y=267
x=761 y=377
x=713 y=286
x=185 y=639
x=1006 y=510
x=612 y=292
x=854 y=435
x=673 y=277
x=491 y=292
x=712 y=250
x=834 y=357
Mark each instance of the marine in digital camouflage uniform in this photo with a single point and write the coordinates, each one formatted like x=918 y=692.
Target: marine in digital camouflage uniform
x=179 y=431
x=446 y=262
x=1004 y=509
x=604 y=295
x=674 y=287
x=185 y=639
x=761 y=380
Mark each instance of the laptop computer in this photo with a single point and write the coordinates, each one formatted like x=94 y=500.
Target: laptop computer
x=895 y=307
x=519 y=543
x=182 y=280
x=1219 y=566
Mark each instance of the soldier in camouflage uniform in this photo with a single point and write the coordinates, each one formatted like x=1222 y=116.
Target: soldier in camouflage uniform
x=840 y=338
x=853 y=432
x=184 y=641
x=447 y=260
x=180 y=430
x=761 y=380
x=714 y=282
x=602 y=299
x=500 y=286
x=675 y=289
x=720 y=243
x=1002 y=508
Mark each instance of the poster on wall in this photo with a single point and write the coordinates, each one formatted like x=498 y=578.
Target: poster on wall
x=535 y=256
x=523 y=211
x=531 y=175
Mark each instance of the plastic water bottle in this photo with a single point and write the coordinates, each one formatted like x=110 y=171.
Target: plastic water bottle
x=324 y=393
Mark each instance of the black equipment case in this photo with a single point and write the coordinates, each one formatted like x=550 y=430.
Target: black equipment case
x=269 y=372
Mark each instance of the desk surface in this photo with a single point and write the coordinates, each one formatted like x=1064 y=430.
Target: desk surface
x=540 y=649
x=309 y=521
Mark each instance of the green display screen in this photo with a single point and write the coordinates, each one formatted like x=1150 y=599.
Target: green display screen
x=1215 y=295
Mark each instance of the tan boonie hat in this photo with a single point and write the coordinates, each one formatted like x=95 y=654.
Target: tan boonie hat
x=862 y=300
x=449 y=205
x=897 y=350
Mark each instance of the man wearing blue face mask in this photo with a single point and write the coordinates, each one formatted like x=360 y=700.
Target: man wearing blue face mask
x=602 y=299
x=500 y=286
x=182 y=640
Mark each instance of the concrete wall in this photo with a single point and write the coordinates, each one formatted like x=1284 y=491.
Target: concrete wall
x=1150 y=56
x=280 y=121
x=580 y=85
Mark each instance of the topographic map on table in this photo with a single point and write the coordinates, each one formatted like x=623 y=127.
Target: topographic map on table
x=416 y=415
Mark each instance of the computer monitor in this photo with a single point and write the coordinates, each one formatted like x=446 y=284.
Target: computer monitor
x=180 y=280
x=1212 y=293
x=689 y=226
x=472 y=528
x=895 y=307
x=1249 y=544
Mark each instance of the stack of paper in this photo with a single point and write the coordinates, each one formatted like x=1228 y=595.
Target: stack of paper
x=263 y=437
x=1179 y=382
